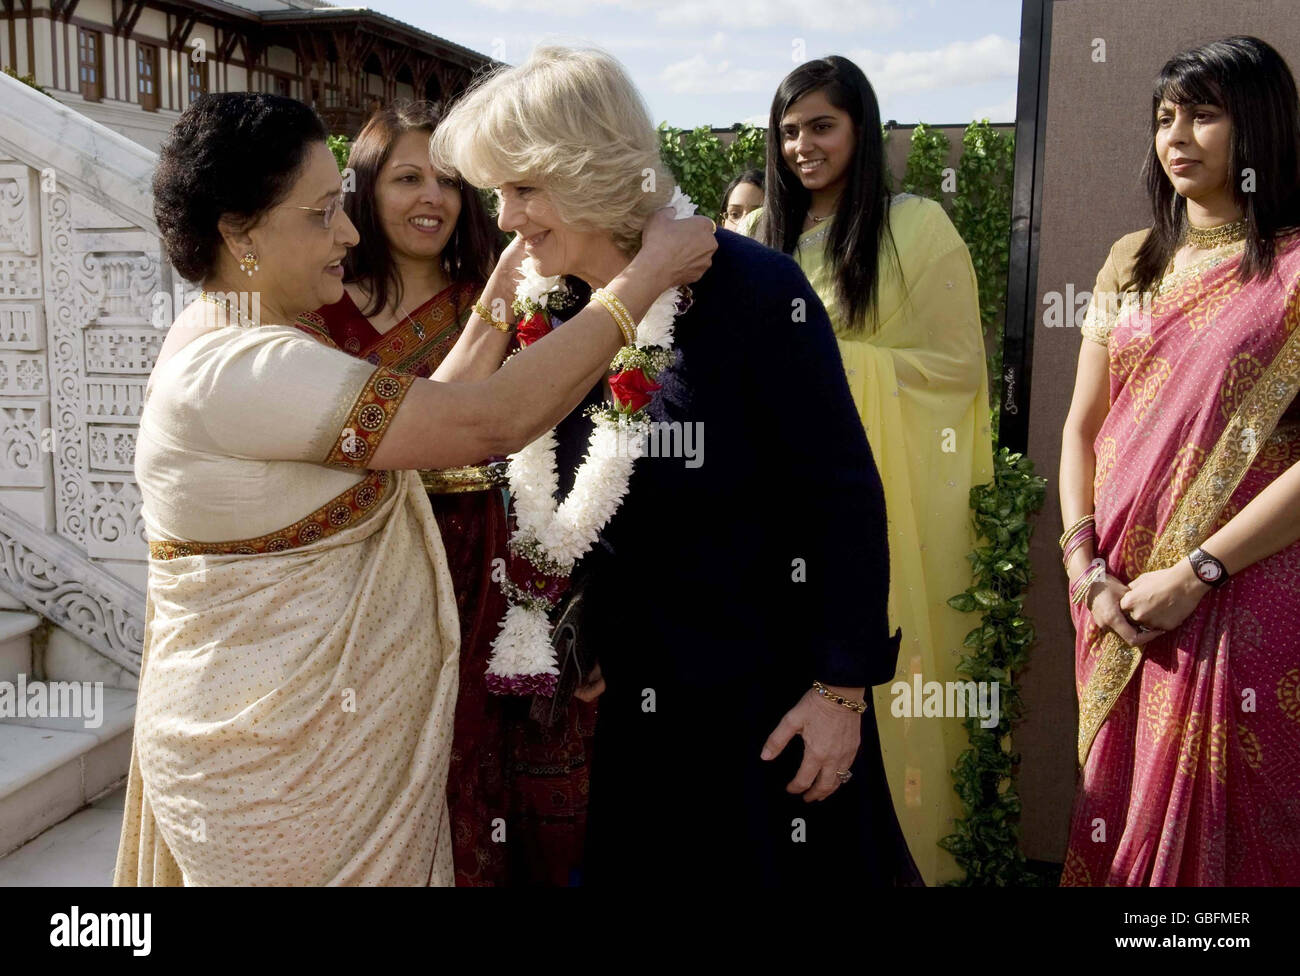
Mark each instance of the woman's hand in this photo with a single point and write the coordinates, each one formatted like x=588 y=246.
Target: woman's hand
x=831 y=734
x=1165 y=598
x=592 y=688
x=505 y=279
x=679 y=251
x=512 y=258
x=1104 y=603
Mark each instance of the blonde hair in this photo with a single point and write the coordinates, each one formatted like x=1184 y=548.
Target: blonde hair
x=570 y=122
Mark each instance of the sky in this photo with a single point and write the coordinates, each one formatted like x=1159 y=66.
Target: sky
x=716 y=62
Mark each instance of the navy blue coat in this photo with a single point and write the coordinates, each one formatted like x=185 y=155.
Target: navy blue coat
x=725 y=585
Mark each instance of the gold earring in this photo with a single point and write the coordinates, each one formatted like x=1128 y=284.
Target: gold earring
x=248 y=263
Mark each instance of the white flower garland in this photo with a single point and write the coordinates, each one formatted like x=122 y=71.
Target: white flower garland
x=550 y=536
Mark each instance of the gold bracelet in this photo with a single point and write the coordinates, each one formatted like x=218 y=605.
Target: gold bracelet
x=1078 y=524
x=619 y=313
x=501 y=325
x=851 y=704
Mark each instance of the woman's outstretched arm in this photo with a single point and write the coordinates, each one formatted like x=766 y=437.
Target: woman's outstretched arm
x=443 y=425
x=478 y=352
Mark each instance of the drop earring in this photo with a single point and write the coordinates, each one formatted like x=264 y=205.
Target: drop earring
x=248 y=263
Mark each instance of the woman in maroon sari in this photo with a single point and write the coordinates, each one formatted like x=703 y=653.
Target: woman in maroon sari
x=1179 y=491
x=517 y=790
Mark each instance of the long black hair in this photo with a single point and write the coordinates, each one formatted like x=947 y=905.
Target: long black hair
x=860 y=230
x=1252 y=83
x=471 y=251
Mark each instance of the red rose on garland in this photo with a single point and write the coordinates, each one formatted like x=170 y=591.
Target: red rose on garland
x=631 y=389
x=531 y=328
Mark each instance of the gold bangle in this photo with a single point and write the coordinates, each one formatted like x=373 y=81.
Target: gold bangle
x=619 y=313
x=1078 y=525
x=851 y=704
x=501 y=325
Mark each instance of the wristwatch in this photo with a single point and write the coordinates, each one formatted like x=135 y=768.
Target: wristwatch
x=1208 y=570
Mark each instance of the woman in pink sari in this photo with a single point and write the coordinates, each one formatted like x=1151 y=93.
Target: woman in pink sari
x=1179 y=492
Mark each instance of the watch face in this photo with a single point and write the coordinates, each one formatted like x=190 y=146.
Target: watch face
x=1208 y=571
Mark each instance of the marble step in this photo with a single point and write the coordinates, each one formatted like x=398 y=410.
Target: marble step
x=16 y=628
x=80 y=852
x=52 y=767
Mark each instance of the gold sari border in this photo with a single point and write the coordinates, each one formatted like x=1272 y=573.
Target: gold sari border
x=314 y=323
x=368 y=420
x=1235 y=451
x=455 y=481
x=335 y=515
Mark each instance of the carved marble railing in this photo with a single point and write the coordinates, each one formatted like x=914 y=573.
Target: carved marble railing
x=81 y=269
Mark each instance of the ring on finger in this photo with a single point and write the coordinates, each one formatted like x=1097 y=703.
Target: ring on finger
x=844 y=775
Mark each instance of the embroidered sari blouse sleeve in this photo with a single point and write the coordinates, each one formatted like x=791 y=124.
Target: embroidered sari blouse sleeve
x=274 y=394
x=1099 y=320
x=368 y=419
x=1107 y=294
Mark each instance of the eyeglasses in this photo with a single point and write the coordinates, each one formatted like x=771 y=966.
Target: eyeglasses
x=326 y=213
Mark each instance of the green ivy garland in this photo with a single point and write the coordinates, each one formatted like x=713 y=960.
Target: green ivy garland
x=986 y=841
x=981 y=212
x=926 y=159
x=703 y=166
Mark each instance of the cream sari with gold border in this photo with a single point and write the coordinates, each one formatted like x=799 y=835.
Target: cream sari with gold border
x=299 y=678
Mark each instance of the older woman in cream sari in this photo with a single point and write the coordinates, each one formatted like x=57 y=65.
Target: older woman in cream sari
x=301 y=649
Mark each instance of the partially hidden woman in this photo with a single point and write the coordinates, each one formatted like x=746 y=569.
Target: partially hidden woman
x=517 y=790
x=741 y=197
x=1180 y=492
x=898 y=283
x=299 y=673
x=735 y=600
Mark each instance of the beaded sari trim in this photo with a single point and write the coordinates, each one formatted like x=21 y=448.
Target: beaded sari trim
x=368 y=420
x=335 y=515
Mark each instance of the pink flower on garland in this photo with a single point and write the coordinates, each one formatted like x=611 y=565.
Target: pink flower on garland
x=632 y=389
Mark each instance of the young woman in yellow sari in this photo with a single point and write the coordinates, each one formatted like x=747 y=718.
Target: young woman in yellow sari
x=301 y=647
x=900 y=289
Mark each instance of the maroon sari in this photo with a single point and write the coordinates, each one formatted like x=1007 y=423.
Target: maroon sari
x=1190 y=746
x=517 y=792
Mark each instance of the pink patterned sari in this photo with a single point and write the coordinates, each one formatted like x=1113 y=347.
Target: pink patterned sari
x=1190 y=747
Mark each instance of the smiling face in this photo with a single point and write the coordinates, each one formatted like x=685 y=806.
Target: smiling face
x=817 y=141
x=1193 y=144
x=556 y=246
x=417 y=206
x=299 y=258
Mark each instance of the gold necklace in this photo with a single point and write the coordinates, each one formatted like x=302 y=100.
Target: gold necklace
x=1208 y=238
x=817 y=220
x=241 y=318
